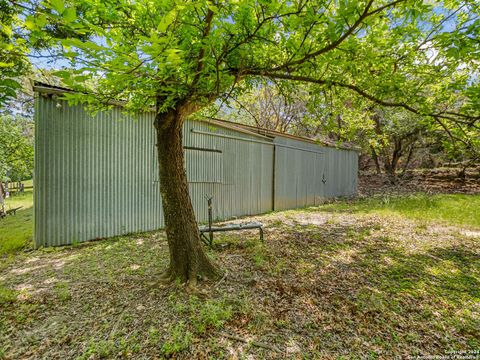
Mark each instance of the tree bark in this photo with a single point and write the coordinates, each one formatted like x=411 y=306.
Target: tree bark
x=375 y=160
x=409 y=158
x=391 y=165
x=188 y=260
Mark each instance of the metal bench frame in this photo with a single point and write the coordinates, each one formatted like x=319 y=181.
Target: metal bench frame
x=4 y=213
x=231 y=227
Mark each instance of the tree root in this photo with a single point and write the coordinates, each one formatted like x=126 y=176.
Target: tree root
x=221 y=280
x=168 y=277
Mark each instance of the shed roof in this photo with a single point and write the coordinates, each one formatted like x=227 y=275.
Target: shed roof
x=274 y=133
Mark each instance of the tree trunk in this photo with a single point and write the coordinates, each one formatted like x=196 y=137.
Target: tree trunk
x=391 y=165
x=409 y=158
x=188 y=261
x=375 y=159
x=394 y=164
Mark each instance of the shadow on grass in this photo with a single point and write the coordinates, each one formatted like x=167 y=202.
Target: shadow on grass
x=332 y=291
x=374 y=295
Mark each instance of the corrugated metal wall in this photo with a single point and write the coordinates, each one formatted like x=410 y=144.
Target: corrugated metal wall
x=308 y=176
x=341 y=172
x=93 y=177
x=297 y=182
x=97 y=176
x=244 y=173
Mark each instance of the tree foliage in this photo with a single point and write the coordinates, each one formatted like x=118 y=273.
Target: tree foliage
x=422 y=57
x=388 y=135
x=13 y=48
x=16 y=148
x=411 y=54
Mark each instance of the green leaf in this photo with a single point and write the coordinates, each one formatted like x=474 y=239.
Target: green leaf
x=10 y=83
x=58 y=6
x=30 y=22
x=84 y=45
x=41 y=20
x=173 y=56
x=7 y=30
x=70 y=14
x=166 y=21
x=212 y=7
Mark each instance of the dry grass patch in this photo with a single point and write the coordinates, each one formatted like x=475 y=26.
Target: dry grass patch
x=326 y=284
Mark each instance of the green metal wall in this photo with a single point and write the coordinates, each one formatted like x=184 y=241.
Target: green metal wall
x=97 y=176
x=245 y=171
x=311 y=173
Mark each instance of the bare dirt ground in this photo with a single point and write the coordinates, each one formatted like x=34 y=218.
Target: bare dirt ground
x=326 y=284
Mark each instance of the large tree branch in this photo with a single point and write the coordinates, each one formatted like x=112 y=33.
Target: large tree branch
x=366 y=13
x=305 y=79
x=201 y=53
x=354 y=88
x=260 y=24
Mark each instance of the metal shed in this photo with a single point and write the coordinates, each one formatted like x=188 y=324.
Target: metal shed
x=96 y=176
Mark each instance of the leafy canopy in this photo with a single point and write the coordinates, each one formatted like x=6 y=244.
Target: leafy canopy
x=422 y=56
x=12 y=53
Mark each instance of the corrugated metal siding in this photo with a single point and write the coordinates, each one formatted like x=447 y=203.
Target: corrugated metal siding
x=197 y=172
x=93 y=177
x=246 y=188
x=341 y=172
x=298 y=174
x=305 y=178
x=97 y=176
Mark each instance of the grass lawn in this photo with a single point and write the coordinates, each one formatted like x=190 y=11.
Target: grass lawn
x=327 y=284
x=453 y=209
x=16 y=231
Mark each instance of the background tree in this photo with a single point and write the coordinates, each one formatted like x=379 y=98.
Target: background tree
x=180 y=56
x=16 y=148
x=13 y=50
x=389 y=136
x=275 y=106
